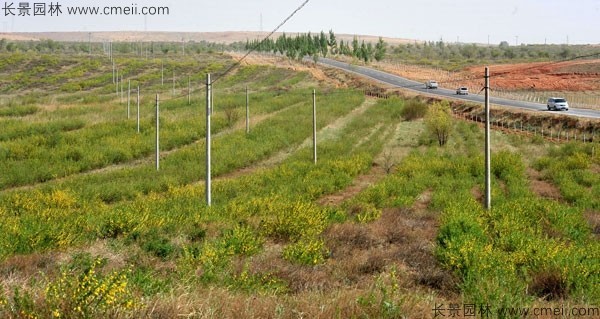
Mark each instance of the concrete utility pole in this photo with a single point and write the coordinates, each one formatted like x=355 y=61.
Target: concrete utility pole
x=208 y=114
x=315 y=126
x=122 y=87
x=157 y=134
x=488 y=187
x=128 y=96
x=138 y=109
x=247 y=111
x=117 y=84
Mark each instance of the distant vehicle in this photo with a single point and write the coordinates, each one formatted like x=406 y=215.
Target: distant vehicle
x=557 y=103
x=462 y=91
x=431 y=84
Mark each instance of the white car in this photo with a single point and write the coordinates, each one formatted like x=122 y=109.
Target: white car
x=431 y=84
x=462 y=91
x=557 y=103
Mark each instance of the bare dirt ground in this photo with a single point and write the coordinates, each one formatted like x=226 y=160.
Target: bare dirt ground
x=572 y=76
x=575 y=76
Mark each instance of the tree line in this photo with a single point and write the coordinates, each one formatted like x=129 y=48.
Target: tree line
x=309 y=45
x=457 y=55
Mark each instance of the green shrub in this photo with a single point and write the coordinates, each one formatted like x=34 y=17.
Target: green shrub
x=20 y=110
x=307 y=251
x=159 y=246
x=292 y=220
x=414 y=109
x=365 y=212
x=439 y=122
x=241 y=240
x=76 y=293
x=89 y=294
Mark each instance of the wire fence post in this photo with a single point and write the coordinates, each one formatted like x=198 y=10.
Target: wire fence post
x=157 y=133
x=315 y=126
x=189 y=91
x=208 y=114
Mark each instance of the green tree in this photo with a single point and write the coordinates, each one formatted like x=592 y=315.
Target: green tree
x=438 y=121
x=355 y=47
x=363 y=52
x=323 y=44
x=380 y=49
x=332 y=42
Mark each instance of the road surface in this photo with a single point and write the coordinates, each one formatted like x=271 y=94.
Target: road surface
x=398 y=81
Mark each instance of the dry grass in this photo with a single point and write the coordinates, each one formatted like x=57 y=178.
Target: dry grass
x=541 y=187
x=593 y=219
x=549 y=285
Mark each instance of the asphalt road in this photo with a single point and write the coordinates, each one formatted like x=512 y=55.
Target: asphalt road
x=472 y=97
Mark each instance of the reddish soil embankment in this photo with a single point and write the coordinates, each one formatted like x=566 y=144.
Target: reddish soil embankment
x=583 y=75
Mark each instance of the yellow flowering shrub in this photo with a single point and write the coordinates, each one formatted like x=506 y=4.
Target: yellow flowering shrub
x=89 y=294
x=308 y=251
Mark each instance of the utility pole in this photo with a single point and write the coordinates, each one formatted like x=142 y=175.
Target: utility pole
x=121 y=87
x=315 y=126
x=247 y=111
x=117 y=84
x=128 y=96
x=208 y=113
x=488 y=187
x=157 y=134
x=138 y=109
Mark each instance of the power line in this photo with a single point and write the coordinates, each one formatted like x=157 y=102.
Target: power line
x=258 y=44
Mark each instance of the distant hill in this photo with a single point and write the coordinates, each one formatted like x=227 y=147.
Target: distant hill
x=133 y=36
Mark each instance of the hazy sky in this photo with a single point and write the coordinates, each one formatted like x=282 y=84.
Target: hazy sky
x=525 y=21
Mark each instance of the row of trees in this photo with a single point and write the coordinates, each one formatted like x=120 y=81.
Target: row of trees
x=303 y=45
x=456 y=55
